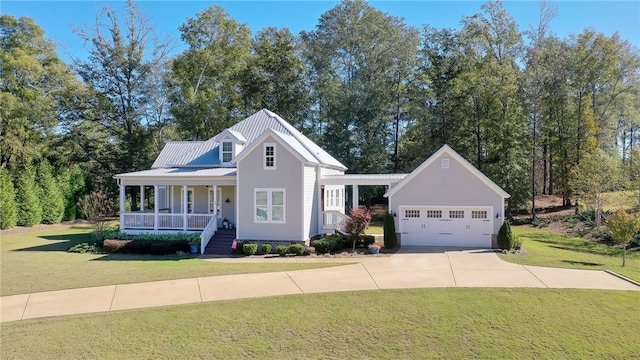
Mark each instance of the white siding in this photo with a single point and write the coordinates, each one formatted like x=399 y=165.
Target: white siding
x=326 y=171
x=310 y=205
x=288 y=175
x=455 y=186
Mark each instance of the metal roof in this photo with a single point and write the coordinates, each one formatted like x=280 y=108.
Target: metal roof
x=206 y=153
x=179 y=172
x=362 y=179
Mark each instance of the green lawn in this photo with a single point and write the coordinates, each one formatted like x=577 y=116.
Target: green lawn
x=39 y=261
x=547 y=248
x=385 y=324
x=374 y=229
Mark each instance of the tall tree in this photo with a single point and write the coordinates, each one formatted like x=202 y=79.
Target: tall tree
x=8 y=208
x=33 y=81
x=206 y=76
x=28 y=195
x=52 y=200
x=357 y=60
x=274 y=77
x=122 y=54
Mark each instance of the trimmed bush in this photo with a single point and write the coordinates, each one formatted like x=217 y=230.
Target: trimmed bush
x=83 y=248
x=145 y=247
x=322 y=246
x=28 y=198
x=52 y=200
x=390 y=237
x=505 y=237
x=117 y=235
x=282 y=250
x=249 y=248
x=266 y=248
x=8 y=206
x=296 y=249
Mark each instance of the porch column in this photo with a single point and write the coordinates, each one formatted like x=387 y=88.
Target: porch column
x=122 y=204
x=215 y=200
x=354 y=201
x=141 y=198
x=155 y=207
x=184 y=207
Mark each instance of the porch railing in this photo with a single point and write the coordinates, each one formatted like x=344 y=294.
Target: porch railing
x=146 y=221
x=334 y=220
x=208 y=233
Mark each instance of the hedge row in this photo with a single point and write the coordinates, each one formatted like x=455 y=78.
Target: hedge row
x=145 y=247
x=335 y=242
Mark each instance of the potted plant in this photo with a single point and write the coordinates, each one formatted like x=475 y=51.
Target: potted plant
x=194 y=247
x=374 y=249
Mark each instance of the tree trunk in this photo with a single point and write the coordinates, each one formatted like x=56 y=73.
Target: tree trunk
x=624 y=255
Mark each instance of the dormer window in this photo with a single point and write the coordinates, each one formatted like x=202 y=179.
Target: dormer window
x=269 y=156
x=227 y=151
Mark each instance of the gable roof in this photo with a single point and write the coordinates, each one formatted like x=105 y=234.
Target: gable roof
x=289 y=142
x=454 y=155
x=232 y=134
x=205 y=153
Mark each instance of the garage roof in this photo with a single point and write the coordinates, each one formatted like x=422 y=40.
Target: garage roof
x=362 y=179
x=459 y=159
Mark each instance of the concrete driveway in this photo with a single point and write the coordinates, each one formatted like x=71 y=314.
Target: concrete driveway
x=410 y=268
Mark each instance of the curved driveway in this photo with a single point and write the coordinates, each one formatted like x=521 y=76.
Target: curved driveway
x=410 y=268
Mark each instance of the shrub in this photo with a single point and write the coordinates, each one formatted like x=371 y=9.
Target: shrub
x=249 y=248
x=505 y=236
x=28 y=198
x=266 y=248
x=145 y=247
x=359 y=219
x=282 y=250
x=322 y=246
x=83 y=248
x=390 y=237
x=8 y=206
x=541 y=222
x=97 y=207
x=296 y=249
x=52 y=201
x=116 y=234
x=517 y=241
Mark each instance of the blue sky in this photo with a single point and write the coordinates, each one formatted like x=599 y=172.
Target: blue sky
x=57 y=17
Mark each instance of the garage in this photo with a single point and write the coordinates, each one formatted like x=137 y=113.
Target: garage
x=446 y=226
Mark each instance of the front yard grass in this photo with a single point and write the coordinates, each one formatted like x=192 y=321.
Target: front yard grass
x=548 y=248
x=455 y=323
x=39 y=261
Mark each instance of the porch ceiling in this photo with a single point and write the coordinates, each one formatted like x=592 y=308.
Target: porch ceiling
x=362 y=179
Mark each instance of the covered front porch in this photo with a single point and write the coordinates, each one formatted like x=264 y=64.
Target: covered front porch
x=158 y=201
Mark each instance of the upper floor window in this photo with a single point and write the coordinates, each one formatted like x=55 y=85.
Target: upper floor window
x=270 y=156
x=227 y=151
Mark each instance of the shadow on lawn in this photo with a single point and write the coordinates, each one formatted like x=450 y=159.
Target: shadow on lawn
x=585 y=263
x=137 y=257
x=62 y=242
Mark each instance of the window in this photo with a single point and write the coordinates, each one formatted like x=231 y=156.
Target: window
x=445 y=163
x=412 y=213
x=227 y=151
x=456 y=214
x=190 y=200
x=270 y=205
x=478 y=214
x=269 y=156
x=434 y=214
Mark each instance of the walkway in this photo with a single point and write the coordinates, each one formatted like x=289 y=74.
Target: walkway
x=403 y=270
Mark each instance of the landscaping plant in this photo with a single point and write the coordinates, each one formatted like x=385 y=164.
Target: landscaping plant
x=390 y=237
x=357 y=224
x=623 y=227
x=266 y=248
x=52 y=201
x=28 y=198
x=97 y=207
x=505 y=237
x=282 y=250
x=8 y=208
x=296 y=249
x=249 y=248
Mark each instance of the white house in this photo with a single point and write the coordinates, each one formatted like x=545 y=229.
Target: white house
x=263 y=180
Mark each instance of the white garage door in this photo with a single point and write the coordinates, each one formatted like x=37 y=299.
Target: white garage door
x=446 y=226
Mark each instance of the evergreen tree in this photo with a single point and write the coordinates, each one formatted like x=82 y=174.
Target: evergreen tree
x=8 y=208
x=28 y=198
x=390 y=237
x=52 y=200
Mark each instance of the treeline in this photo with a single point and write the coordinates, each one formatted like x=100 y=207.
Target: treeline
x=528 y=108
